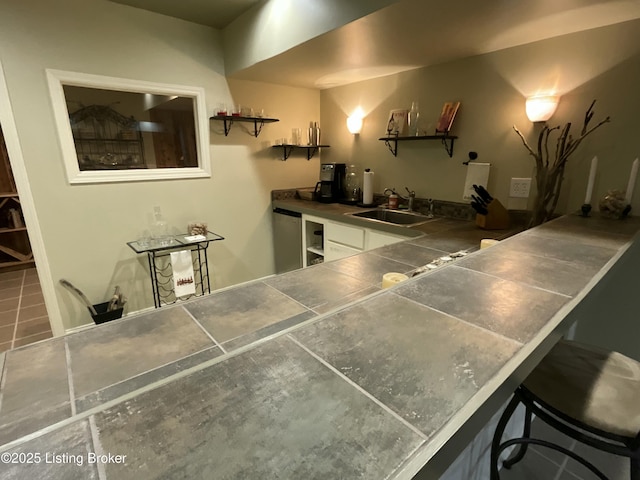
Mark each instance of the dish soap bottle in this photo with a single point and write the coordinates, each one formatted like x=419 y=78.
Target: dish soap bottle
x=393 y=201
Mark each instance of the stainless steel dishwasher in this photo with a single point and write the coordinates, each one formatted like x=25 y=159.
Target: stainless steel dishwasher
x=287 y=239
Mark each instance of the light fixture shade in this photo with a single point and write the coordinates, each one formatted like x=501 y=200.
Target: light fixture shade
x=354 y=124
x=541 y=108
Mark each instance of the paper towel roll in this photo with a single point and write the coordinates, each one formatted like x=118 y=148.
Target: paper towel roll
x=477 y=174
x=391 y=278
x=367 y=187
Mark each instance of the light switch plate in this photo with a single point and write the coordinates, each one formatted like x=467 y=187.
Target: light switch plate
x=520 y=187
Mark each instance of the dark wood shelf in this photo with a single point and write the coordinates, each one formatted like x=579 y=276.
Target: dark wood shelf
x=15 y=249
x=258 y=122
x=287 y=149
x=392 y=142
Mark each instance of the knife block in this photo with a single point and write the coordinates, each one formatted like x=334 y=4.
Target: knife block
x=497 y=217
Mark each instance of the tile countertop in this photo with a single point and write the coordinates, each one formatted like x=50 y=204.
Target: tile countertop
x=315 y=373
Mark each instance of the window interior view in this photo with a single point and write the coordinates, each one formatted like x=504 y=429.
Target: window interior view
x=390 y=239
x=121 y=130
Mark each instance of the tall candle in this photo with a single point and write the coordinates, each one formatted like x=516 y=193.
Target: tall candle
x=632 y=181
x=592 y=178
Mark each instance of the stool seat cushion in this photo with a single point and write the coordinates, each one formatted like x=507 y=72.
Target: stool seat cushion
x=597 y=387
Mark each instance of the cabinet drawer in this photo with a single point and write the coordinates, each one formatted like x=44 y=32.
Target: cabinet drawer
x=376 y=239
x=334 y=251
x=345 y=234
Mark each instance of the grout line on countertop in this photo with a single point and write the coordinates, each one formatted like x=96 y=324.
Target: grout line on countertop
x=151 y=370
x=204 y=330
x=72 y=393
x=359 y=388
x=97 y=447
x=466 y=322
x=289 y=297
x=518 y=282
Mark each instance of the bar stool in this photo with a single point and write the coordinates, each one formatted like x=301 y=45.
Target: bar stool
x=589 y=394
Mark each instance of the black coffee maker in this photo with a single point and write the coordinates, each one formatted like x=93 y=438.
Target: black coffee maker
x=330 y=187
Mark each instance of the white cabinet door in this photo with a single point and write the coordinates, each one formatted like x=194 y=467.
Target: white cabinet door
x=334 y=251
x=376 y=239
x=345 y=234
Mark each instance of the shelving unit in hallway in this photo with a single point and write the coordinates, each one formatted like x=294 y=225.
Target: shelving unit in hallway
x=15 y=249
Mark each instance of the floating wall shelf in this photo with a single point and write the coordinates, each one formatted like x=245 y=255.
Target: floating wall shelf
x=392 y=142
x=311 y=150
x=258 y=122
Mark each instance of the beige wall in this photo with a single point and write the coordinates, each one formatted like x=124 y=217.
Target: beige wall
x=85 y=227
x=602 y=64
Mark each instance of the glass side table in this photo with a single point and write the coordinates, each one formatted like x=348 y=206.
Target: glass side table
x=160 y=269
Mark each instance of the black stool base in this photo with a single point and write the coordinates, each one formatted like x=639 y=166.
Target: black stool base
x=610 y=443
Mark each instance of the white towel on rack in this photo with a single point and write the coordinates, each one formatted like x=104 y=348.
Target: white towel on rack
x=477 y=174
x=183 y=279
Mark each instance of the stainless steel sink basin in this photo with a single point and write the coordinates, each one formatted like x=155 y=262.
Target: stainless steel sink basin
x=395 y=217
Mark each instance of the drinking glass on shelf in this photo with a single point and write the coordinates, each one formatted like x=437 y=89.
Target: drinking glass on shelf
x=296 y=136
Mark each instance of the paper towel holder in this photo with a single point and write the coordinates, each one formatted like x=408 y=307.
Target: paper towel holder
x=472 y=157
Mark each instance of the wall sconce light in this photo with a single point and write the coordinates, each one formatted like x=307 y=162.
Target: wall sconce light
x=354 y=122
x=541 y=108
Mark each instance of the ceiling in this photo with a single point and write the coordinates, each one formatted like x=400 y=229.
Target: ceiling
x=406 y=35
x=214 y=13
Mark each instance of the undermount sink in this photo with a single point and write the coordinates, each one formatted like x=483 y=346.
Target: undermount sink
x=395 y=217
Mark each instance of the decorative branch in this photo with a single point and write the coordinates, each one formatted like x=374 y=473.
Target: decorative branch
x=550 y=172
x=524 y=141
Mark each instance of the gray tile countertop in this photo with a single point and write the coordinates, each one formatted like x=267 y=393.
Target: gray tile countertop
x=316 y=373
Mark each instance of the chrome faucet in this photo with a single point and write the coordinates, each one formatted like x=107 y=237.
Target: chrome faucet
x=430 y=201
x=412 y=196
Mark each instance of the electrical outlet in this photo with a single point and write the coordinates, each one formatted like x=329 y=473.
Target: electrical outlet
x=520 y=187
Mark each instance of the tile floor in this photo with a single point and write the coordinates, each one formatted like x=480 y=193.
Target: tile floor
x=23 y=315
x=544 y=464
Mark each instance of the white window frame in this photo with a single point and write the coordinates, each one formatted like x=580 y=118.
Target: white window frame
x=57 y=79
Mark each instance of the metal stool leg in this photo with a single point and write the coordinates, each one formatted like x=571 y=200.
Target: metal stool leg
x=557 y=448
x=522 y=448
x=497 y=436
